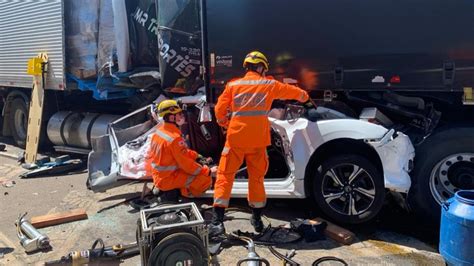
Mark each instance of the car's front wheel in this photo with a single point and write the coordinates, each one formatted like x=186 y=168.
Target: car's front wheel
x=349 y=189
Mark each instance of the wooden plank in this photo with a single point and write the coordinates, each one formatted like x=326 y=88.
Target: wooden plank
x=58 y=218
x=337 y=233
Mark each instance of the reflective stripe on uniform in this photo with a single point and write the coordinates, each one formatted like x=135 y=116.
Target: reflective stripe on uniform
x=197 y=171
x=190 y=178
x=256 y=204
x=251 y=82
x=164 y=135
x=225 y=150
x=255 y=99
x=249 y=113
x=221 y=202
x=164 y=168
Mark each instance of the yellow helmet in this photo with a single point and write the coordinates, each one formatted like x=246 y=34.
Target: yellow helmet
x=168 y=107
x=256 y=57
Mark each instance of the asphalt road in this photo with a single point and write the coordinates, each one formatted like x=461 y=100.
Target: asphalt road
x=394 y=238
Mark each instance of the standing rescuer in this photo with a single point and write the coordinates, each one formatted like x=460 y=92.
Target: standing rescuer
x=174 y=166
x=242 y=108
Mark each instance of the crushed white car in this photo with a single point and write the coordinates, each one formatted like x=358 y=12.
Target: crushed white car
x=345 y=165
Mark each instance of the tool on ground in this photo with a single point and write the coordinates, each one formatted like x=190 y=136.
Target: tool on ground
x=172 y=235
x=96 y=254
x=285 y=258
x=329 y=258
x=30 y=238
x=271 y=236
x=252 y=258
x=37 y=67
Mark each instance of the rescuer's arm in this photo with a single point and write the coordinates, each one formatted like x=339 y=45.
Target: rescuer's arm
x=289 y=92
x=185 y=162
x=222 y=107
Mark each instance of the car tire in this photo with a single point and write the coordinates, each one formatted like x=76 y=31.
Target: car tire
x=18 y=121
x=357 y=193
x=444 y=164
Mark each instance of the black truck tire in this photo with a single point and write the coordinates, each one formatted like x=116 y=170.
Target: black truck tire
x=444 y=163
x=18 y=121
x=365 y=192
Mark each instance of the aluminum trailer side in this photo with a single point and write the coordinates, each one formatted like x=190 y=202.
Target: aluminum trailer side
x=28 y=28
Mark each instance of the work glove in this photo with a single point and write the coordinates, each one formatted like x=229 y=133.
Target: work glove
x=204 y=160
x=309 y=104
x=213 y=172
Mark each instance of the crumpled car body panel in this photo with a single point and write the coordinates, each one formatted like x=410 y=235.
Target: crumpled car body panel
x=300 y=137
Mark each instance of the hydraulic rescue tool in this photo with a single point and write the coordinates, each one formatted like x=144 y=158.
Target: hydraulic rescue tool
x=30 y=238
x=96 y=254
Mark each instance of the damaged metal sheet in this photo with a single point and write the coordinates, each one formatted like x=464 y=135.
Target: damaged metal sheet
x=299 y=142
x=394 y=155
x=119 y=156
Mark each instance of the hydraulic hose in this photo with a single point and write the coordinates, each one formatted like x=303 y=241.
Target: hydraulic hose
x=329 y=258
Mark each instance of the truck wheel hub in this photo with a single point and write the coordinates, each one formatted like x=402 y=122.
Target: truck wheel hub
x=453 y=173
x=462 y=175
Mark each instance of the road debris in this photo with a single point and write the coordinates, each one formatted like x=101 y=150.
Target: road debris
x=336 y=233
x=54 y=168
x=9 y=184
x=58 y=218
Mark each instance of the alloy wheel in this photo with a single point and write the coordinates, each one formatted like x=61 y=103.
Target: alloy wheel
x=348 y=189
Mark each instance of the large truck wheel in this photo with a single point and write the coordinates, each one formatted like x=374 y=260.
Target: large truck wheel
x=18 y=121
x=349 y=189
x=444 y=164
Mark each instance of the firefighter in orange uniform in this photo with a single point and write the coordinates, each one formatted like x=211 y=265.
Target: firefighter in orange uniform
x=242 y=108
x=174 y=166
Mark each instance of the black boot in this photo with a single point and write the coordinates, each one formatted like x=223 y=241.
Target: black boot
x=256 y=219
x=170 y=196
x=216 y=227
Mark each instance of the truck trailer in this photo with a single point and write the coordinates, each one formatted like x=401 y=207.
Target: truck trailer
x=411 y=61
x=102 y=64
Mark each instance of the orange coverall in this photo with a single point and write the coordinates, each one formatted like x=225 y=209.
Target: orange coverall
x=174 y=165
x=247 y=101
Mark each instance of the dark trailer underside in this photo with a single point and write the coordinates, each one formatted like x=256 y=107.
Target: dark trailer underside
x=345 y=44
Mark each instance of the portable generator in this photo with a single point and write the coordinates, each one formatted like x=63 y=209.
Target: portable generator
x=172 y=235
